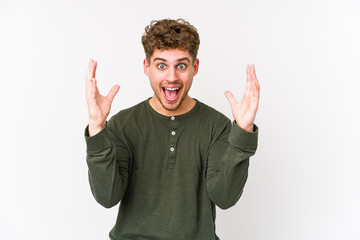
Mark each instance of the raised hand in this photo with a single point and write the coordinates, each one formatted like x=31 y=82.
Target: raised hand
x=244 y=111
x=98 y=105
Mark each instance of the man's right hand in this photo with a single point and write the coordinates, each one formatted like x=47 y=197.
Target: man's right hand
x=98 y=105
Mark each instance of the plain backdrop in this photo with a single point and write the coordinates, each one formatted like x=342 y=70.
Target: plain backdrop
x=304 y=180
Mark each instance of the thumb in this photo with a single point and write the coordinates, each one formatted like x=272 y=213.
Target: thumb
x=113 y=91
x=230 y=97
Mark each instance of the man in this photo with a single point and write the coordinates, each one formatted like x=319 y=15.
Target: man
x=169 y=159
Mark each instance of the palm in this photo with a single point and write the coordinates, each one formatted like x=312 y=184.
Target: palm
x=244 y=111
x=99 y=106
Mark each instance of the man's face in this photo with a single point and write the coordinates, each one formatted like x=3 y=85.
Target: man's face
x=171 y=74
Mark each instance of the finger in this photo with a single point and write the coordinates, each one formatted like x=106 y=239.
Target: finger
x=248 y=76
x=92 y=86
x=255 y=100
x=253 y=87
x=91 y=61
x=94 y=69
x=247 y=72
x=87 y=75
x=230 y=97
x=91 y=69
x=256 y=82
x=251 y=90
x=113 y=91
x=252 y=72
x=248 y=91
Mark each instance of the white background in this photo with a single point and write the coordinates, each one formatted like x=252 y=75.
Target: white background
x=304 y=181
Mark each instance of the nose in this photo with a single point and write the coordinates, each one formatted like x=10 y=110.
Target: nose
x=172 y=75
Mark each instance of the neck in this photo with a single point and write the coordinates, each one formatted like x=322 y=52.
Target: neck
x=185 y=106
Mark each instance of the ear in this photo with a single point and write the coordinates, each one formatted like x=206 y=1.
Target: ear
x=146 y=67
x=196 y=66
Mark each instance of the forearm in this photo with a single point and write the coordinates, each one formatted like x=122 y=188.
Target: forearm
x=226 y=186
x=106 y=182
x=226 y=177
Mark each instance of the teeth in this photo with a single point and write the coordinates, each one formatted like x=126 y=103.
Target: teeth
x=172 y=89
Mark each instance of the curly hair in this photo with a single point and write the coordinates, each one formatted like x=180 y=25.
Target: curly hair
x=170 y=34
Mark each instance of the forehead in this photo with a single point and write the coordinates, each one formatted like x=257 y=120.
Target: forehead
x=170 y=55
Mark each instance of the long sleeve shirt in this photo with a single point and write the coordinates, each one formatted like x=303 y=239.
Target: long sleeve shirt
x=168 y=172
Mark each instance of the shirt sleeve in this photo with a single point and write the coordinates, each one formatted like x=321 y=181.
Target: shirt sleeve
x=108 y=162
x=228 y=162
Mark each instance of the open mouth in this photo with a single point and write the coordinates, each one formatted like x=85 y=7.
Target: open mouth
x=171 y=94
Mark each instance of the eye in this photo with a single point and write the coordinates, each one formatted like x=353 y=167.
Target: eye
x=181 y=66
x=161 y=66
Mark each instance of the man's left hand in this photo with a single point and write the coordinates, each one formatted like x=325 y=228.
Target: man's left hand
x=244 y=111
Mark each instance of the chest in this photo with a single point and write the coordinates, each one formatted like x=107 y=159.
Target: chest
x=174 y=145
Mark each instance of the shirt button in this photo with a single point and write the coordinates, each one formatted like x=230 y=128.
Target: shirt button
x=172 y=149
x=173 y=118
x=173 y=133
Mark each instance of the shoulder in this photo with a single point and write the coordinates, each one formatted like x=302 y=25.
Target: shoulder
x=213 y=123
x=212 y=114
x=128 y=115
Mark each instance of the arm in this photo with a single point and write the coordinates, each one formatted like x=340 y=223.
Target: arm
x=228 y=163
x=108 y=161
x=228 y=159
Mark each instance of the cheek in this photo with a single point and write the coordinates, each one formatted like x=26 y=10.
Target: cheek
x=187 y=77
x=155 y=79
x=156 y=75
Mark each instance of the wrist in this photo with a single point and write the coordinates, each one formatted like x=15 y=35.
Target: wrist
x=95 y=128
x=246 y=127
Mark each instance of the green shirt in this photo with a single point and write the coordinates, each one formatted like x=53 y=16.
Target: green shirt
x=168 y=172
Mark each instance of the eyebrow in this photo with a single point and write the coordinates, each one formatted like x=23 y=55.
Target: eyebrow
x=178 y=60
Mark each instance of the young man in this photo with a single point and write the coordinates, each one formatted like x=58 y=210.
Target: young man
x=169 y=159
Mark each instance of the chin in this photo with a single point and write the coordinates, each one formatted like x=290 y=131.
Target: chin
x=170 y=106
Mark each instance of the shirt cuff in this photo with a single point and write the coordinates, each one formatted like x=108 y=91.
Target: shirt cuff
x=99 y=141
x=243 y=139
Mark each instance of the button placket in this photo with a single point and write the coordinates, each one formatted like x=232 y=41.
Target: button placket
x=172 y=143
